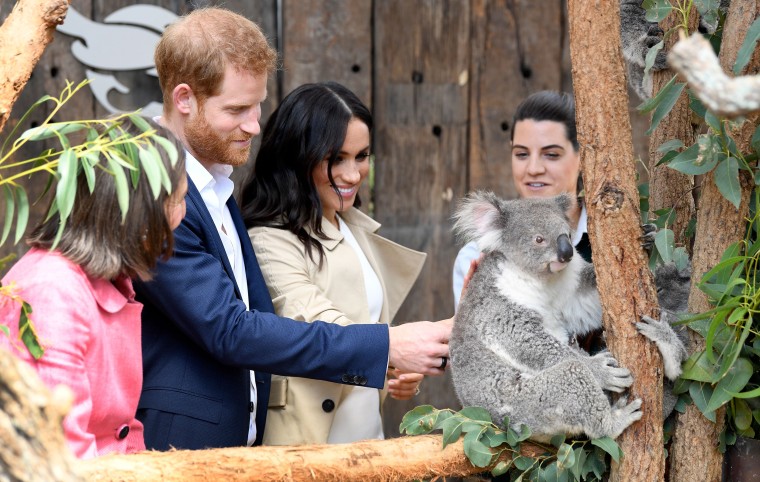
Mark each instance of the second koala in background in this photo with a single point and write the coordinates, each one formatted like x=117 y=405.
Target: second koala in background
x=511 y=346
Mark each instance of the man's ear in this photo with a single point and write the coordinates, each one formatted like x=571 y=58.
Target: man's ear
x=183 y=98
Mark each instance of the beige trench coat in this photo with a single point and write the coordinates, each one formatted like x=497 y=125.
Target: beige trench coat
x=301 y=411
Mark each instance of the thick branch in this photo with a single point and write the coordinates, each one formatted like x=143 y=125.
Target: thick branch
x=695 y=60
x=23 y=38
x=604 y=133
x=404 y=458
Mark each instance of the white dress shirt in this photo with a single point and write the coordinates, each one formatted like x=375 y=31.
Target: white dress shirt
x=216 y=188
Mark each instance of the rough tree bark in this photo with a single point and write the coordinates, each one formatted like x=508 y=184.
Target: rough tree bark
x=23 y=38
x=612 y=198
x=694 y=452
x=668 y=187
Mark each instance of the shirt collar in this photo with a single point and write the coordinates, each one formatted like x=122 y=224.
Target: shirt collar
x=112 y=296
x=216 y=178
x=582 y=226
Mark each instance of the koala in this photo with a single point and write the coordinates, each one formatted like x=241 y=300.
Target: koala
x=637 y=36
x=511 y=345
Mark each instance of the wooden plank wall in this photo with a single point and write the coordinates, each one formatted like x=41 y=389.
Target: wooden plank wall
x=442 y=77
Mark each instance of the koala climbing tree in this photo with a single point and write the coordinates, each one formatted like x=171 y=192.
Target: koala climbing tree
x=512 y=347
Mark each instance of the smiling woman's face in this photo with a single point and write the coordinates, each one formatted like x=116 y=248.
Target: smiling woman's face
x=544 y=162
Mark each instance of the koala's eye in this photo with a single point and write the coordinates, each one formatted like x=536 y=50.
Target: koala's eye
x=539 y=239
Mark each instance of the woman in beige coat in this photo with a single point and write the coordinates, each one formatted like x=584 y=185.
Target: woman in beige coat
x=322 y=258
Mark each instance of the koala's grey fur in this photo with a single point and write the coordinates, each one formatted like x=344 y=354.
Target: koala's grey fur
x=637 y=36
x=511 y=348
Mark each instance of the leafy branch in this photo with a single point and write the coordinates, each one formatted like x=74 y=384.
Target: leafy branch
x=102 y=144
x=485 y=444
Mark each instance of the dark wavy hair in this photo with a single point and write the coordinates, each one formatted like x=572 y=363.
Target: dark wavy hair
x=307 y=127
x=550 y=105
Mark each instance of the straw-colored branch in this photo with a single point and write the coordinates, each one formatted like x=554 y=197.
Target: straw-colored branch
x=695 y=60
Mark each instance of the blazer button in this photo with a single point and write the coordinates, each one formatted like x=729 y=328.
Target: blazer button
x=357 y=380
x=362 y=381
x=328 y=405
x=346 y=378
x=122 y=432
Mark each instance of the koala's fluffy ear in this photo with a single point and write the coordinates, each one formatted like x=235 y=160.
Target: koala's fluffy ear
x=564 y=201
x=475 y=219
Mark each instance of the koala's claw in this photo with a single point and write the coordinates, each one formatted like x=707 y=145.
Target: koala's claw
x=649 y=231
x=610 y=375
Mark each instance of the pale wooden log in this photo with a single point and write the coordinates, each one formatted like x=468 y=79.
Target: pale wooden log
x=403 y=458
x=23 y=37
x=694 y=59
x=32 y=446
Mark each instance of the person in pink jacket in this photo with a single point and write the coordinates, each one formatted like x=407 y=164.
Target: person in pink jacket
x=84 y=310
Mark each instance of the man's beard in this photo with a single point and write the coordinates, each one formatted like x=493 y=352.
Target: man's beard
x=208 y=146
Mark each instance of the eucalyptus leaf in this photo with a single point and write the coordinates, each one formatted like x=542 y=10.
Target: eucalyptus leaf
x=742 y=414
x=501 y=468
x=169 y=147
x=670 y=94
x=565 y=456
x=22 y=216
x=708 y=9
x=10 y=208
x=47 y=131
x=748 y=47
x=664 y=240
x=66 y=189
x=494 y=438
x=140 y=122
x=88 y=163
x=558 y=440
x=700 y=394
x=523 y=462
x=727 y=180
x=734 y=381
x=671 y=145
x=755 y=142
x=656 y=10
x=27 y=334
x=452 y=429
x=580 y=462
x=686 y=162
x=609 y=446
x=150 y=160
x=714 y=122
x=477 y=452
x=652 y=103
x=419 y=420
x=476 y=413
x=122 y=188
x=652 y=56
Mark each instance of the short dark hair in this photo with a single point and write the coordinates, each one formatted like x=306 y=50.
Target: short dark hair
x=308 y=126
x=96 y=239
x=549 y=105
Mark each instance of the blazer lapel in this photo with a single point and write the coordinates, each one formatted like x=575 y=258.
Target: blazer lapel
x=216 y=247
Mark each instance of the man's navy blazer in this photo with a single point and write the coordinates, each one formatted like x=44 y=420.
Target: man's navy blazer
x=199 y=342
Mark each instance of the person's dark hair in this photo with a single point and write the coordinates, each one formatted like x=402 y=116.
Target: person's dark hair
x=550 y=105
x=96 y=239
x=307 y=127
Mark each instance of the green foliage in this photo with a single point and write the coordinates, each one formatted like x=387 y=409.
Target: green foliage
x=105 y=145
x=484 y=443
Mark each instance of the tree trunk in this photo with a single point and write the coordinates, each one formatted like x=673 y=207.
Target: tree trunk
x=694 y=452
x=612 y=198
x=668 y=187
x=23 y=37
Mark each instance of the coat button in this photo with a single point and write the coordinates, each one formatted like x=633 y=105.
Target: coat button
x=122 y=432
x=328 y=405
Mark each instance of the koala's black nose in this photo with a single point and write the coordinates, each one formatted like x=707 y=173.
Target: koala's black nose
x=564 y=249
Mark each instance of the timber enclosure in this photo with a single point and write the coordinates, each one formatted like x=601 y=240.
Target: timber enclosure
x=442 y=78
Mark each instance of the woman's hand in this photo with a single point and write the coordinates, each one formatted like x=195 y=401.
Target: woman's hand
x=403 y=386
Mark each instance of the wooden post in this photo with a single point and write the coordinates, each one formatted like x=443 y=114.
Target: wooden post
x=625 y=284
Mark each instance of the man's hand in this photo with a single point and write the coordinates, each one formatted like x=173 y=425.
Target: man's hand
x=420 y=347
